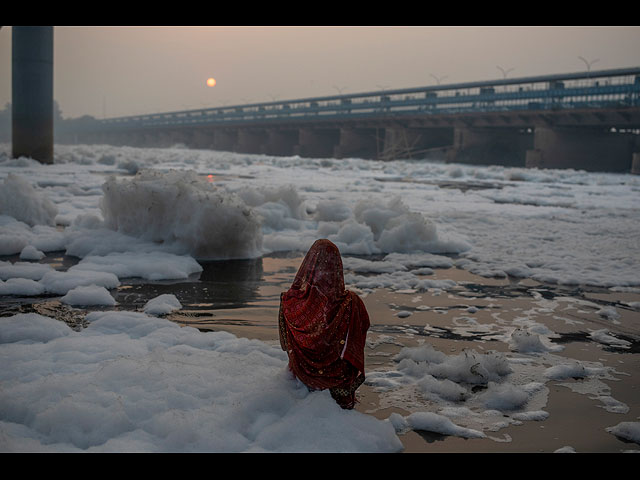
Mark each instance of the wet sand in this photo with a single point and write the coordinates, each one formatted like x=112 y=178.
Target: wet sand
x=576 y=419
x=243 y=298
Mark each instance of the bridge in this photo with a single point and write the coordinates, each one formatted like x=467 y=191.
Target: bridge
x=585 y=120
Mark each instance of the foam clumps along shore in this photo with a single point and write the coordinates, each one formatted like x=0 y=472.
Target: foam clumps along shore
x=155 y=226
x=180 y=207
x=154 y=215
x=133 y=382
x=538 y=224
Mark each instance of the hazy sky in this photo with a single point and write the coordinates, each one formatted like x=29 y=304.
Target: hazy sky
x=114 y=71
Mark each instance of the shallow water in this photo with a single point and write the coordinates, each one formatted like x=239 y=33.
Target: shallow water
x=541 y=225
x=242 y=297
x=246 y=293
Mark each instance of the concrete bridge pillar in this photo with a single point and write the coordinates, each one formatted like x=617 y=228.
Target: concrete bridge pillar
x=108 y=138
x=281 y=142
x=635 y=164
x=169 y=138
x=490 y=146
x=150 y=139
x=317 y=142
x=592 y=149
x=94 y=137
x=200 y=138
x=225 y=140
x=130 y=139
x=177 y=137
x=400 y=142
x=32 y=92
x=359 y=142
x=251 y=141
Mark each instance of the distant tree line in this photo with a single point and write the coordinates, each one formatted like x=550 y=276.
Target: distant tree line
x=63 y=128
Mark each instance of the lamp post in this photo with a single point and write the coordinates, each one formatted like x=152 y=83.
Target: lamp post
x=438 y=79
x=504 y=72
x=587 y=63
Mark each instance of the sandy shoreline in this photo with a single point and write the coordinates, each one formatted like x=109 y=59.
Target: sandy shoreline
x=577 y=417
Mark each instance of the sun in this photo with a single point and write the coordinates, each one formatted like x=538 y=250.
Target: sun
x=211 y=82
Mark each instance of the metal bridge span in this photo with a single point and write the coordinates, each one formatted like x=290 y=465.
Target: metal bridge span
x=586 y=120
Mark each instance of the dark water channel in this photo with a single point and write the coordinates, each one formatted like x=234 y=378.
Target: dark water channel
x=253 y=286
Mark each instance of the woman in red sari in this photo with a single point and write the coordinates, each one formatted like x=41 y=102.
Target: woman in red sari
x=323 y=327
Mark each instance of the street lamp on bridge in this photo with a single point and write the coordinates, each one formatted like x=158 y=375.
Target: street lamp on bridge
x=504 y=72
x=438 y=79
x=587 y=63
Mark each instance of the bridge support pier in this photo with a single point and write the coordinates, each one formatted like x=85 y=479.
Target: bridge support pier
x=317 y=143
x=32 y=93
x=407 y=143
x=119 y=139
x=490 y=146
x=251 y=141
x=225 y=140
x=149 y=140
x=635 y=164
x=583 y=149
x=199 y=138
x=176 y=137
x=281 y=142
x=359 y=142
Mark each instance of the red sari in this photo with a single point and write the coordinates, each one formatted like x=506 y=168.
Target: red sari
x=323 y=327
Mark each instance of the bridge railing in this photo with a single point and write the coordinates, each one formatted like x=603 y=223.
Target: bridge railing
x=601 y=89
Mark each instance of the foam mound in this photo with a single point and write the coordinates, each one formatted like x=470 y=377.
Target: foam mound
x=20 y=200
x=180 y=207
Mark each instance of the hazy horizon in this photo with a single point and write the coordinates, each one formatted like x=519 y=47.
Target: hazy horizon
x=116 y=71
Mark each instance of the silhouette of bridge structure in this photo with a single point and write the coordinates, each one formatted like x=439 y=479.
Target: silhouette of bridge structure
x=585 y=120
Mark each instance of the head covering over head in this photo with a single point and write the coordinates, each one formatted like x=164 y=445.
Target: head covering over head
x=323 y=327
x=321 y=268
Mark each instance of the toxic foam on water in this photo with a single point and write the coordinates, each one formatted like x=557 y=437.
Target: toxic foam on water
x=181 y=207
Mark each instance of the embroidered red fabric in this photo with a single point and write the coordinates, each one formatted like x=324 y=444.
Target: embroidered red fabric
x=323 y=327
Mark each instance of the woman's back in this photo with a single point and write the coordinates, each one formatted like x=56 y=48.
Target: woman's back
x=323 y=327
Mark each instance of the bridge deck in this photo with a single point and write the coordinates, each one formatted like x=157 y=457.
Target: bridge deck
x=605 y=91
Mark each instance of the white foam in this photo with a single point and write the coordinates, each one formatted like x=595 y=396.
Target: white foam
x=605 y=337
x=528 y=223
x=181 y=207
x=21 y=287
x=565 y=449
x=15 y=236
x=20 y=200
x=131 y=382
x=61 y=283
x=162 y=305
x=627 y=430
x=525 y=223
x=398 y=280
x=332 y=211
x=27 y=270
x=27 y=329
x=564 y=371
x=432 y=422
x=88 y=296
x=31 y=253
x=396 y=228
x=525 y=341
x=504 y=396
x=147 y=265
